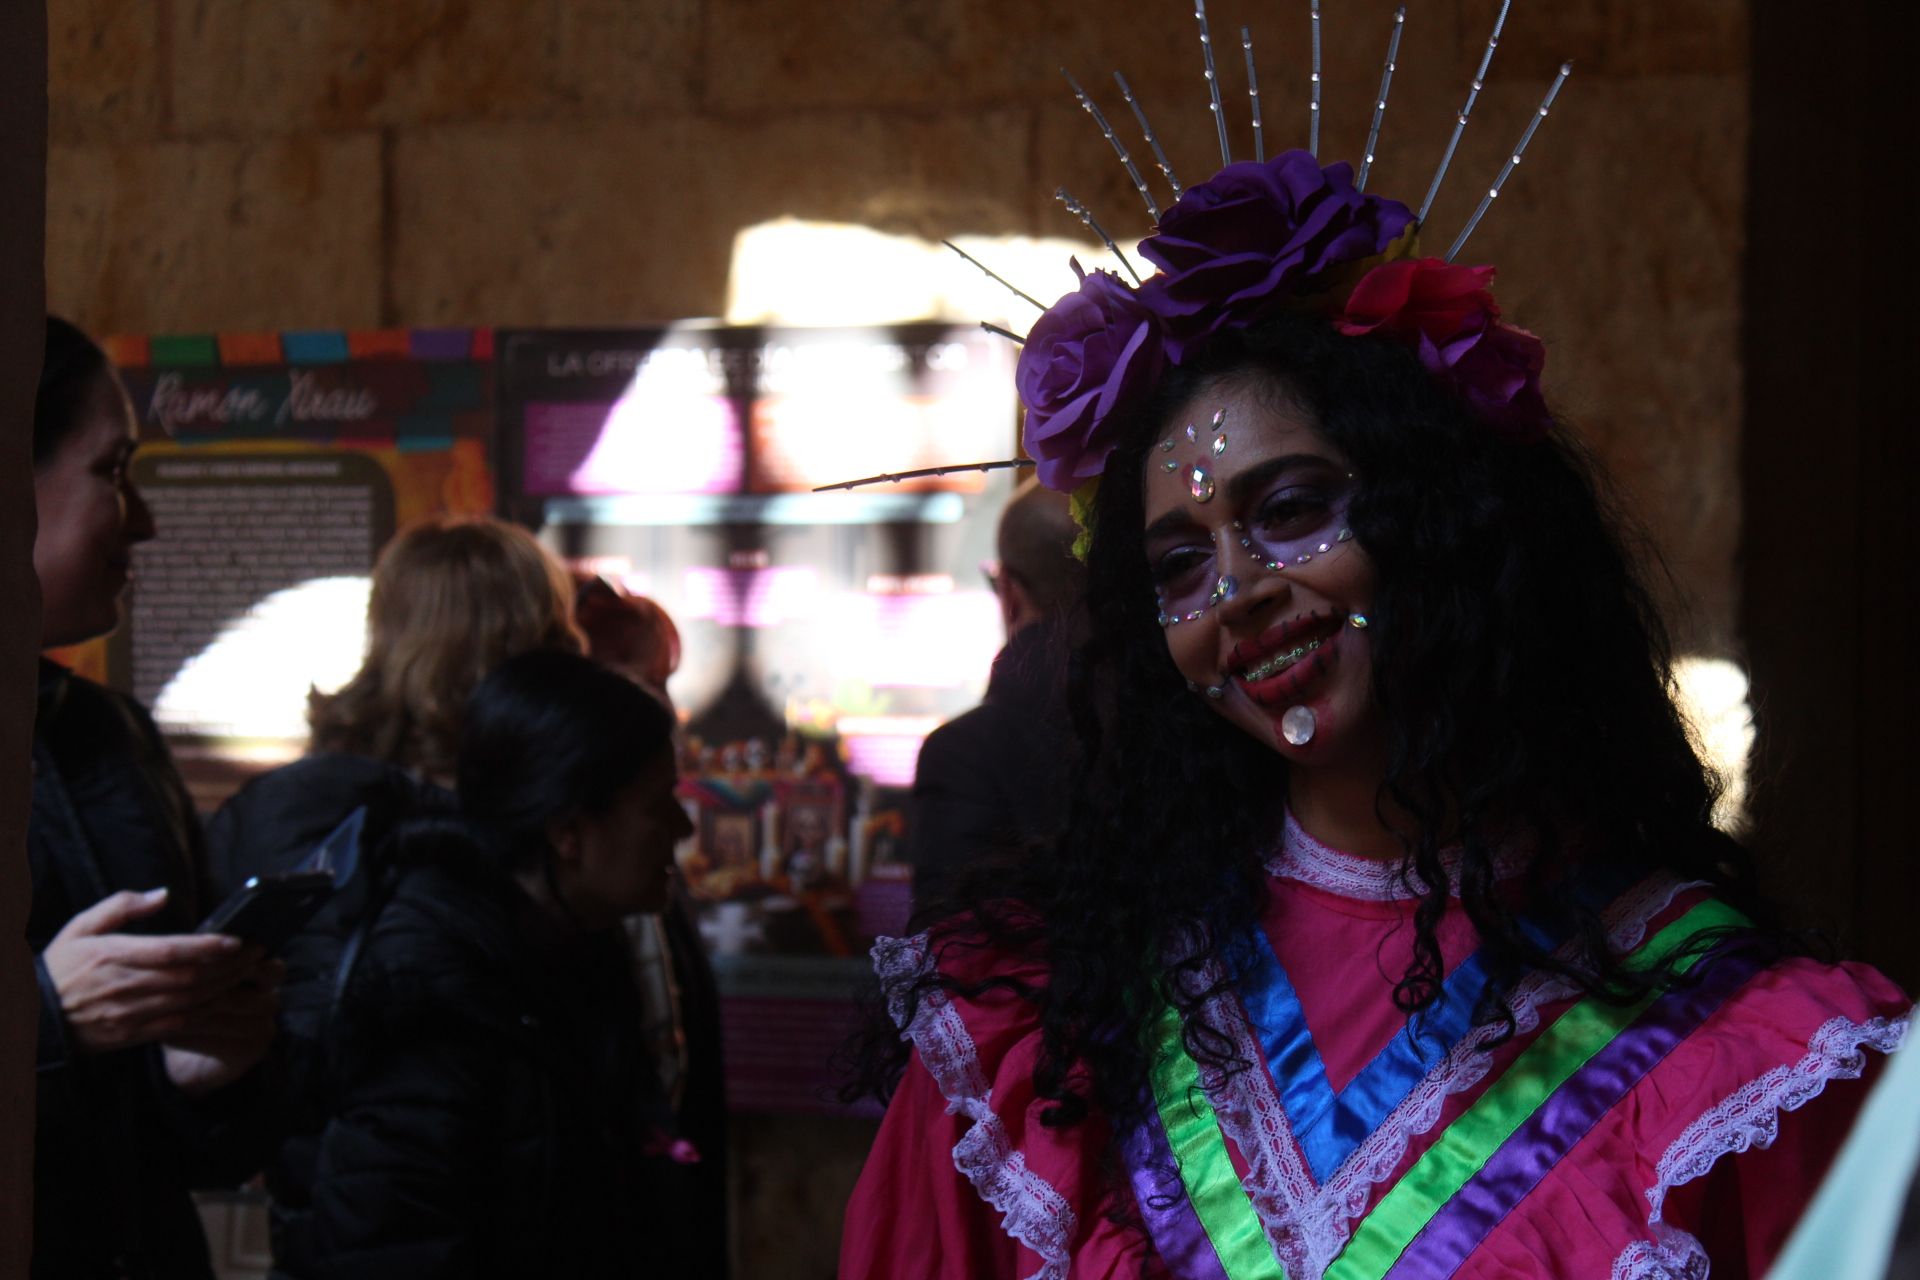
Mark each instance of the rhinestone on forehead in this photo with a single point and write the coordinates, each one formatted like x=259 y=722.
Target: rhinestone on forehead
x=1219 y=445
x=1200 y=484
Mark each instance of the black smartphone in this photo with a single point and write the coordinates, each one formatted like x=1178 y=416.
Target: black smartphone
x=269 y=910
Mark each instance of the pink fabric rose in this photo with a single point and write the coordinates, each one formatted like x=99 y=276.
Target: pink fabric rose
x=1446 y=314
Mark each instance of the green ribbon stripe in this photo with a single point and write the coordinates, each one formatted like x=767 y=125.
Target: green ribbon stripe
x=1471 y=1140
x=1214 y=1188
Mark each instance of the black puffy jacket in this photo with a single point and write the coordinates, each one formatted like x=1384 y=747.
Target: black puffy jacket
x=116 y=1146
x=493 y=1110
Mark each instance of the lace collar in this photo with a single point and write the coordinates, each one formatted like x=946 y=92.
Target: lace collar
x=1306 y=860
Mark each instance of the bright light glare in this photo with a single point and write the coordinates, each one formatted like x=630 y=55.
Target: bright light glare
x=1712 y=694
x=252 y=681
x=823 y=273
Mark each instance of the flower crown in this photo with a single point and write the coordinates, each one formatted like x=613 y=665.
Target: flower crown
x=1259 y=238
x=1255 y=240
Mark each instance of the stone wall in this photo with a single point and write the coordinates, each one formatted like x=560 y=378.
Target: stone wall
x=261 y=164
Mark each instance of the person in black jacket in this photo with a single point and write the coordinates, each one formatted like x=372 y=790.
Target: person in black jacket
x=493 y=1108
x=993 y=778
x=452 y=598
x=146 y=1029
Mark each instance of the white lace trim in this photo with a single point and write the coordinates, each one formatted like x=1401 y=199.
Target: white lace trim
x=1749 y=1117
x=1309 y=1225
x=1031 y=1210
x=1306 y=860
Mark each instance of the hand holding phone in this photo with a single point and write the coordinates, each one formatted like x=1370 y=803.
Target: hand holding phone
x=268 y=910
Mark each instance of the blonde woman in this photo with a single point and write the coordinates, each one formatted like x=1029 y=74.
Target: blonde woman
x=452 y=599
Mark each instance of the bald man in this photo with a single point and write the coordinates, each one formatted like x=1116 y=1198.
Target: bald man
x=995 y=778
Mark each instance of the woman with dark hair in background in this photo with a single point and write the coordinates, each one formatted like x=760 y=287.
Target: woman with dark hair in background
x=493 y=1108
x=144 y=1025
x=1390 y=934
x=452 y=598
x=635 y=637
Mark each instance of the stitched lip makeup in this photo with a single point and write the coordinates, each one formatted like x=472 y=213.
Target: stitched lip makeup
x=1278 y=666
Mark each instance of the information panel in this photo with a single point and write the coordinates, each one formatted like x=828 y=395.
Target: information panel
x=277 y=466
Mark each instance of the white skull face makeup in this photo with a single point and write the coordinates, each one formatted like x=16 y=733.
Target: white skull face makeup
x=1257 y=573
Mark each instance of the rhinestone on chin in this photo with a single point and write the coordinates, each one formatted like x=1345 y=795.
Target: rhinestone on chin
x=1296 y=726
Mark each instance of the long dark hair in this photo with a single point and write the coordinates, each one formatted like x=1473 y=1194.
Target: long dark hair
x=1520 y=666
x=546 y=736
x=72 y=366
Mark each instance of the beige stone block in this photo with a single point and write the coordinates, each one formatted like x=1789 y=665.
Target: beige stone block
x=619 y=223
x=246 y=66
x=103 y=69
x=1626 y=38
x=791 y=1178
x=1623 y=249
x=216 y=235
x=624 y=56
x=934 y=54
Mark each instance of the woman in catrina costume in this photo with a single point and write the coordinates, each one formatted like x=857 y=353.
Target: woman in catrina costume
x=1390 y=934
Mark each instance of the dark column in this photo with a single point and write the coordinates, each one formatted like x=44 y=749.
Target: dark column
x=1829 y=567
x=23 y=199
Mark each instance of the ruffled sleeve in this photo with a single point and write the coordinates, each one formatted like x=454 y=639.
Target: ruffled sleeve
x=964 y=1181
x=1742 y=1121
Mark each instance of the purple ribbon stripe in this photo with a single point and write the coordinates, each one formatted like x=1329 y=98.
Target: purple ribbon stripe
x=1546 y=1136
x=1165 y=1206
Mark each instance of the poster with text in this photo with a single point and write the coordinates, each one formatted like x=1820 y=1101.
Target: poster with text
x=276 y=466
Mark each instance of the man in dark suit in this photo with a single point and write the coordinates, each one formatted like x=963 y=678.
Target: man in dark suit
x=995 y=777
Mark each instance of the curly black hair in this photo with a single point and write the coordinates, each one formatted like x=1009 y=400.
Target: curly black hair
x=1520 y=666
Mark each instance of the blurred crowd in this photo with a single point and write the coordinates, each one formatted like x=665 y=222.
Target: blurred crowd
x=451 y=1002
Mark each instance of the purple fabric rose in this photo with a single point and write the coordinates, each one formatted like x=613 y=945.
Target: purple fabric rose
x=1242 y=244
x=1091 y=350
x=1497 y=372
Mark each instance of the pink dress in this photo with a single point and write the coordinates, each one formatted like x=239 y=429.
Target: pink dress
x=1598 y=1141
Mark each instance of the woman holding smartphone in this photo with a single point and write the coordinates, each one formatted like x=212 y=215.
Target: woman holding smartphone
x=144 y=1025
